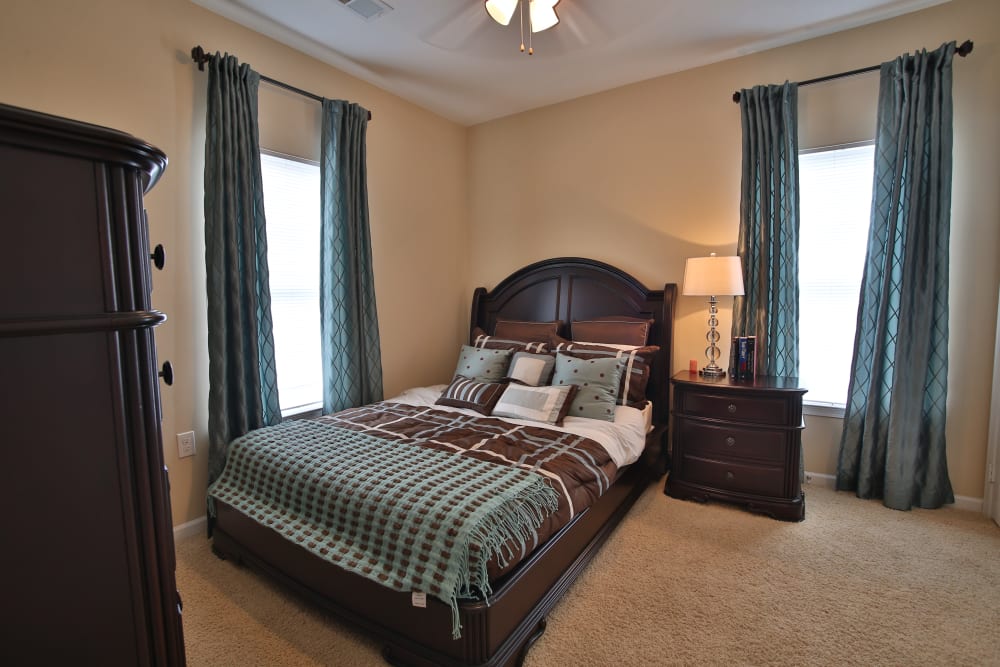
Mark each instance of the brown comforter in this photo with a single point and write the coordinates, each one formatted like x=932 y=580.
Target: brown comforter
x=578 y=468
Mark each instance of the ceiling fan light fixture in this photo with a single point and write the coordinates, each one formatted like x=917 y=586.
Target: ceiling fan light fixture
x=543 y=14
x=501 y=11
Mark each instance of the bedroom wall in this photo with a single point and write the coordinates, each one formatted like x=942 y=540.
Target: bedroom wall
x=126 y=64
x=647 y=175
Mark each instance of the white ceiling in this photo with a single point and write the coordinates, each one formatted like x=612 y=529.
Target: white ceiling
x=448 y=56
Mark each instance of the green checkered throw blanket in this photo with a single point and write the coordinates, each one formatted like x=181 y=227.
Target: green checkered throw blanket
x=405 y=516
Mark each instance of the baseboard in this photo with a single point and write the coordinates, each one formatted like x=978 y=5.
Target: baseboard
x=967 y=503
x=190 y=528
x=830 y=482
x=820 y=479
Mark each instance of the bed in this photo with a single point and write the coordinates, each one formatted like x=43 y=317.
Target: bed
x=499 y=628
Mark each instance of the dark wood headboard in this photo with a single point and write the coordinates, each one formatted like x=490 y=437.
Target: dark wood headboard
x=573 y=288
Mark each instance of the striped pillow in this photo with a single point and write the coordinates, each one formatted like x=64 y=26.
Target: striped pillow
x=466 y=393
x=483 y=341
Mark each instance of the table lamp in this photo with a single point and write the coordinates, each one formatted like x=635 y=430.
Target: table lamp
x=713 y=276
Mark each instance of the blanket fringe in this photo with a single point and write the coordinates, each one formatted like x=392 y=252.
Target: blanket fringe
x=517 y=520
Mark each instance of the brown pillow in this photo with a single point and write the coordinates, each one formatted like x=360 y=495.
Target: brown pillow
x=636 y=366
x=466 y=393
x=483 y=341
x=615 y=330
x=526 y=331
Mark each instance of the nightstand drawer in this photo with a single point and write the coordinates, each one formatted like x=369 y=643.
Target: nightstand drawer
x=724 y=441
x=762 y=480
x=731 y=407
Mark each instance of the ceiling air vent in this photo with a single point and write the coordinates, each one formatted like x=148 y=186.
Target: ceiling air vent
x=369 y=10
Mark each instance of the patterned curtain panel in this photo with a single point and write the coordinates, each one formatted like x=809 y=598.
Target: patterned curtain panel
x=352 y=357
x=893 y=443
x=243 y=389
x=769 y=228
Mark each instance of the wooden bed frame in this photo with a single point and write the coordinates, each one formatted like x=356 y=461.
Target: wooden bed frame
x=499 y=630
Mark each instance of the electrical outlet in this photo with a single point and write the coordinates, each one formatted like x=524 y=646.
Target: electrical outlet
x=185 y=444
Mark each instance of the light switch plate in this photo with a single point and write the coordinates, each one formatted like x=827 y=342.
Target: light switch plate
x=185 y=444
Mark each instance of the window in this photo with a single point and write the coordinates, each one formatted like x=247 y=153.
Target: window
x=835 y=191
x=292 y=209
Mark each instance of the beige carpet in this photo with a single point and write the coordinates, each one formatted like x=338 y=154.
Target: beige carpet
x=688 y=584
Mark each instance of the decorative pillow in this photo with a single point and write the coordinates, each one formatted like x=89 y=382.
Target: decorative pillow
x=483 y=365
x=598 y=379
x=526 y=331
x=482 y=340
x=466 y=393
x=636 y=363
x=540 y=404
x=531 y=369
x=621 y=330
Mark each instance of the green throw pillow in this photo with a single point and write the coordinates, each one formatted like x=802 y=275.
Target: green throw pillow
x=483 y=365
x=597 y=380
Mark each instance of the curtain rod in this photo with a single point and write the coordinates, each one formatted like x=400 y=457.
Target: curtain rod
x=199 y=56
x=963 y=50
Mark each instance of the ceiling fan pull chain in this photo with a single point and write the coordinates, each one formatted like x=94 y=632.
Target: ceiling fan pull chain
x=520 y=10
x=531 y=29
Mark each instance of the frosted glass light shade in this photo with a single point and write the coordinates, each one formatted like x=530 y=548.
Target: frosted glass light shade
x=713 y=276
x=543 y=14
x=501 y=10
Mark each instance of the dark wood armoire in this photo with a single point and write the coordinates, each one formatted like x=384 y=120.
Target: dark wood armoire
x=87 y=556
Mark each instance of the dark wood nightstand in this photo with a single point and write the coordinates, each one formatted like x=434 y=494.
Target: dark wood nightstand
x=739 y=442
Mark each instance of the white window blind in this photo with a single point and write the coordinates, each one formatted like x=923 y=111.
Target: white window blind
x=292 y=209
x=835 y=189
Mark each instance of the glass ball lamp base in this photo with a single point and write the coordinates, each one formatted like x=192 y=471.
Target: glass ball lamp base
x=712 y=337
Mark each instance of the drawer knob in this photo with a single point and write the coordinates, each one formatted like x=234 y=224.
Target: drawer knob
x=730 y=440
x=731 y=408
x=167 y=373
x=158 y=256
x=729 y=476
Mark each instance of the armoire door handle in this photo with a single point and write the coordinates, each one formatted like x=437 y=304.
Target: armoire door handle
x=158 y=256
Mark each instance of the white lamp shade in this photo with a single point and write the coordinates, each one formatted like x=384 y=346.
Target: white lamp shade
x=713 y=276
x=501 y=10
x=543 y=14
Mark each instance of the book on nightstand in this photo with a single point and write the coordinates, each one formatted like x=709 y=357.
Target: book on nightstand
x=743 y=358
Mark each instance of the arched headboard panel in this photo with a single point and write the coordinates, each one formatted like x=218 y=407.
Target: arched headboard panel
x=573 y=288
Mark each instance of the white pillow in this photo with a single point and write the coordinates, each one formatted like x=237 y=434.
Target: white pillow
x=541 y=404
x=533 y=369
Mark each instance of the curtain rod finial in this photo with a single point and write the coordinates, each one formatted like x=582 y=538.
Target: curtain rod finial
x=198 y=55
x=736 y=97
x=966 y=48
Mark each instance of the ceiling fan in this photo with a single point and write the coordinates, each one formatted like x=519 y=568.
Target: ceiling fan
x=541 y=15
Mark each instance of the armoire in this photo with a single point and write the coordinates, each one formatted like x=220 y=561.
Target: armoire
x=87 y=556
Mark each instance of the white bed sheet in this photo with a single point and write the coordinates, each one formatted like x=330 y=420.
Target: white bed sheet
x=623 y=439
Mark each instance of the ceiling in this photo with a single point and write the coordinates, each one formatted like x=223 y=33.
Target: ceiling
x=448 y=56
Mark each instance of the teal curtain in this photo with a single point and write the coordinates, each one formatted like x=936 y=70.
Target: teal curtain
x=352 y=358
x=243 y=388
x=769 y=228
x=893 y=442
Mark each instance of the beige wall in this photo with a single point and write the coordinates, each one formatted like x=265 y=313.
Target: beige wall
x=647 y=175
x=641 y=177
x=126 y=64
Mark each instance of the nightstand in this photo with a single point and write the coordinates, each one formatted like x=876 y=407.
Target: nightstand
x=739 y=442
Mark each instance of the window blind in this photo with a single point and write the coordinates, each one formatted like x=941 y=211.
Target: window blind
x=835 y=187
x=292 y=210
